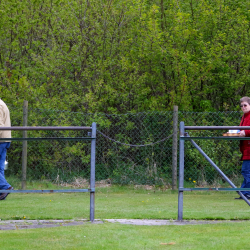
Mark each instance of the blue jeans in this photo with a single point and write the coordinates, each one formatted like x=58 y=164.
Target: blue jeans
x=3 y=151
x=245 y=171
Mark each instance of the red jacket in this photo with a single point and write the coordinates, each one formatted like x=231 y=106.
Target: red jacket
x=244 y=144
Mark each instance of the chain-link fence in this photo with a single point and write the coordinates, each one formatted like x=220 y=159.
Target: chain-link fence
x=133 y=148
x=225 y=154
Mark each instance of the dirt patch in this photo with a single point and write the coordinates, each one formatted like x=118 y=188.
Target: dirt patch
x=84 y=183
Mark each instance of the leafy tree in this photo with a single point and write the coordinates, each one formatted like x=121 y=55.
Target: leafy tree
x=116 y=56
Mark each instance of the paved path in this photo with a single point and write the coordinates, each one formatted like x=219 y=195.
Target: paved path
x=27 y=224
x=31 y=224
x=165 y=222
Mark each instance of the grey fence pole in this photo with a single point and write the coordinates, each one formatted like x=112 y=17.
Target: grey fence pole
x=25 y=145
x=92 y=173
x=181 y=173
x=174 y=148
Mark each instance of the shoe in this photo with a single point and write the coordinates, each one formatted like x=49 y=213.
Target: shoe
x=4 y=195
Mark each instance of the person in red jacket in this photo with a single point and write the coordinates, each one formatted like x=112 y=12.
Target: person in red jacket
x=245 y=145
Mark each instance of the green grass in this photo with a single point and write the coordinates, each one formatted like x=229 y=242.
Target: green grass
x=35 y=184
x=115 y=236
x=127 y=202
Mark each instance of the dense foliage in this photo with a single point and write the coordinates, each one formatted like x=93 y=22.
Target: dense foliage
x=62 y=161
x=116 y=56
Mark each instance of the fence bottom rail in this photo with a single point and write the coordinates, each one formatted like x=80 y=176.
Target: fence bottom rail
x=214 y=189
x=91 y=190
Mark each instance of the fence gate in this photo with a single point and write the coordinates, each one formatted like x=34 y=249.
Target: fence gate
x=91 y=136
x=184 y=136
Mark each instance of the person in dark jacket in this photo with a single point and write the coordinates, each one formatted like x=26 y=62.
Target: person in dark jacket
x=245 y=145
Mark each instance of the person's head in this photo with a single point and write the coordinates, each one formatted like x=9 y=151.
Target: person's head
x=245 y=104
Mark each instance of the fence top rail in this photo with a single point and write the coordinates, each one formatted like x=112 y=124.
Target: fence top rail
x=217 y=127
x=46 y=128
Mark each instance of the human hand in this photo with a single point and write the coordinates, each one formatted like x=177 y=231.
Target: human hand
x=242 y=133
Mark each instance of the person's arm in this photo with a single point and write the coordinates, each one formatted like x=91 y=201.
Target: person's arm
x=2 y=118
x=245 y=133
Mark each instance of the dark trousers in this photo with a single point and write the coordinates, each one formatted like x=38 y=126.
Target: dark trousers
x=245 y=171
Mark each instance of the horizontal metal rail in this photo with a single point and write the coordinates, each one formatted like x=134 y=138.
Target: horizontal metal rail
x=217 y=127
x=50 y=191
x=214 y=189
x=47 y=138
x=45 y=128
x=186 y=138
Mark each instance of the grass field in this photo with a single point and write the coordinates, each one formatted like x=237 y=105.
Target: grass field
x=127 y=202
x=115 y=236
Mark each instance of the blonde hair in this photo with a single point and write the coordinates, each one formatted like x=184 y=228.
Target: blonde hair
x=245 y=99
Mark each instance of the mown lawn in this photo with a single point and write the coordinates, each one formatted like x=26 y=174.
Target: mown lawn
x=125 y=203
x=128 y=202
x=116 y=236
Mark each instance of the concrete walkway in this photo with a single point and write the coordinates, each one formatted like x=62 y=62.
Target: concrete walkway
x=28 y=224
x=31 y=224
x=165 y=222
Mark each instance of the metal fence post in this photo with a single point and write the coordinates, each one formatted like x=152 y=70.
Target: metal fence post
x=174 y=148
x=92 y=172
x=25 y=145
x=181 y=173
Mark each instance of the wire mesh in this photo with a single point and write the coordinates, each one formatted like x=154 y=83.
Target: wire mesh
x=224 y=153
x=66 y=163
